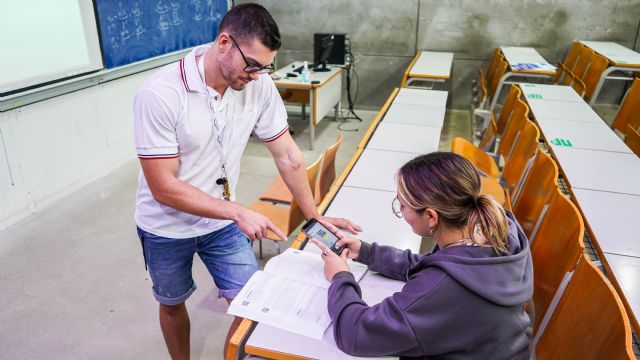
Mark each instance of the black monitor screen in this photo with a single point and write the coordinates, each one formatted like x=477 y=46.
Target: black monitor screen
x=328 y=49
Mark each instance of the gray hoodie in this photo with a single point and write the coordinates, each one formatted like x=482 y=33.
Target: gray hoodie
x=462 y=302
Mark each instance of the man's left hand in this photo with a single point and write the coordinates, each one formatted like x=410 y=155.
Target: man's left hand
x=342 y=224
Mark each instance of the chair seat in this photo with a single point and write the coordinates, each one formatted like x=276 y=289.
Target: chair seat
x=279 y=216
x=477 y=157
x=277 y=192
x=491 y=186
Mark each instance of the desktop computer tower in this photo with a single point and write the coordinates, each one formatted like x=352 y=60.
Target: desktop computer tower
x=337 y=56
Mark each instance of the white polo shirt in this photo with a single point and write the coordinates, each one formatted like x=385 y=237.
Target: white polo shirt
x=174 y=113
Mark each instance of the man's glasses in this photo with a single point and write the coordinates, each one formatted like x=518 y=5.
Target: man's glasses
x=252 y=68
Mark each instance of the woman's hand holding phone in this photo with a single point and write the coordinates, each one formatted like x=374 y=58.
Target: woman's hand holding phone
x=333 y=263
x=351 y=244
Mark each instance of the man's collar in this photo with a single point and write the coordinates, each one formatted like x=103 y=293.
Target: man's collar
x=189 y=70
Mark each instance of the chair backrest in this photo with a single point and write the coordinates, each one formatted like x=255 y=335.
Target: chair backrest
x=501 y=68
x=597 y=66
x=296 y=217
x=632 y=139
x=507 y=108
x=572 y=55
x=589 y=322
x=538 y=187
x=482 y=90
x=555 y=251
x=524 y=149
x=493 y=63
x=584 y=59
x=629 y=110
x=513 y=127
x=328 y=171
x=489 y=137
x=578 y=85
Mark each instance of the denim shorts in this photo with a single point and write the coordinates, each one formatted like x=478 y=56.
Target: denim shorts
x=227 y=254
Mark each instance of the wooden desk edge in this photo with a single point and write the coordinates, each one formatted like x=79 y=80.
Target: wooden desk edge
x=428 y=76
x=238 y=337
x=408 y=70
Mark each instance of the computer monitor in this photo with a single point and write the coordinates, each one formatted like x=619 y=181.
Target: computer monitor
x=324 y=51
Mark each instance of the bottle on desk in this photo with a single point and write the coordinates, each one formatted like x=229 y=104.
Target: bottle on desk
x=305 y=74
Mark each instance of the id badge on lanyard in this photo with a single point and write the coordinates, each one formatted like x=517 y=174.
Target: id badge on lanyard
x=223 y=180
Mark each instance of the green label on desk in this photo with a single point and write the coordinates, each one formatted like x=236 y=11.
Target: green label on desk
x=561 y=142
x=534 y=96
x=529 y=85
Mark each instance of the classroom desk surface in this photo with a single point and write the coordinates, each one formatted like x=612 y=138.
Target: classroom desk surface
x=265 y=340
x=517 y=55
x=371 y=209
x=432 y=65
x=543 y=92
x=376 y=169
x=626 y=272
x=616 y=53
x=600 y=170
x=594 y=135
x=573 y=111
x=421 y=97
x=613 y=219
x=423 y=115
x=405 y=138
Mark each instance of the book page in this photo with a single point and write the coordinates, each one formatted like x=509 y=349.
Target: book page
x=284 y=303
x=307 y=267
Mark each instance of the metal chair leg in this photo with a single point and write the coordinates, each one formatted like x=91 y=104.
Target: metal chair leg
x=260 y=245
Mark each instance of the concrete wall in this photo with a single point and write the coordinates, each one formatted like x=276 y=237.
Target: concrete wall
x=386 y=34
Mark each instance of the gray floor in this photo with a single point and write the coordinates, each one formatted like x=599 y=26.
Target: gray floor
x=73 y=279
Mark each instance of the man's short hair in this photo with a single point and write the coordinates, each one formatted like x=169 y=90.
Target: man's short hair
x=246 y=22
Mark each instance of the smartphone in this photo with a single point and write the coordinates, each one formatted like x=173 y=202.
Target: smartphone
x=313 y=228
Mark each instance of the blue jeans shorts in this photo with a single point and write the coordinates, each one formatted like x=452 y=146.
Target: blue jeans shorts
x=227 y=254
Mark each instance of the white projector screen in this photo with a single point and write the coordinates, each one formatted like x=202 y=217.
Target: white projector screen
x=43 y=41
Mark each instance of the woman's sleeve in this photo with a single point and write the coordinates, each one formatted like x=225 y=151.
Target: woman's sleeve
x=361 y=330
x=387 y=260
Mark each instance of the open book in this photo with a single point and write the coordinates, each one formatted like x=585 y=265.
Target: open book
x=291 y=294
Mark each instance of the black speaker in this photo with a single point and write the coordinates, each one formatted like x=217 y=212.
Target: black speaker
x=337 y=52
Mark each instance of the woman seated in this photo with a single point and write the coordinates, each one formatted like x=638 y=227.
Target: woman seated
x=465 y=299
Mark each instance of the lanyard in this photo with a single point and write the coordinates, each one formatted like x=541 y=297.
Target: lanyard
x=220 y=139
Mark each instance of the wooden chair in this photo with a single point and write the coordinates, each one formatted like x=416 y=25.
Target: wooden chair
x=559 y=75
x=285 y=218
x=584 y=59
x=480 y=98
x=555 y=251
x=524 y=149
x=478 y=156
x=578 y=86
x=507 y=108
x=496 y=56
x=278 y=192
x=572 y=55
x=629 y=110
x=501 y=68
x=589 y=322
x=632 y=139
x=538 y=187
x=597 y=66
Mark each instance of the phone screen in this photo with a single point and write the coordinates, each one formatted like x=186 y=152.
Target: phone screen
x=317 y=231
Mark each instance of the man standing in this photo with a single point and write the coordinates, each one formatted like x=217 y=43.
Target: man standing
x=193 y=119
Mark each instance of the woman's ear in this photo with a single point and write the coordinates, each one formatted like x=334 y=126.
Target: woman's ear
x=431 y=218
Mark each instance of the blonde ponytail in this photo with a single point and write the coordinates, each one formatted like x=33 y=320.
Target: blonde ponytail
x=489 y=219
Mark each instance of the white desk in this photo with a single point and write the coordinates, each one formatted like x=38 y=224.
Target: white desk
x=422 y=115
x=371 y=209
x=626 y=271
x=322 y=96
x=581 y=135
x=374 y=287
x=421 y=97
x=620 y=59
x=550 y=93
x=430 y=66
x=376 y=169
x=516 y=57
x=405 y=138
x=573 y=111
x=600 y=170
x=613 y=219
